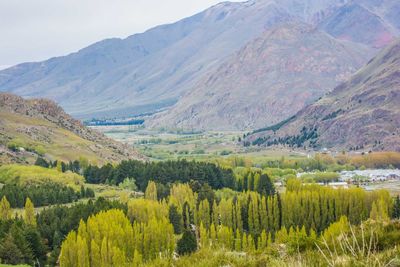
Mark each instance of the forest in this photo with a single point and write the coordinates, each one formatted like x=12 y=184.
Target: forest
x=152 y=231
x=195 y=213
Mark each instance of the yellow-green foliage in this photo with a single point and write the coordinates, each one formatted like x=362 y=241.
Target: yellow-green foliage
x=5 y=209
x=278 y=173
x=143 y=210
x=151 y=191
x=181 y=193
x=23 y=175
x=312 y=205
x=109 y=239
x=29 y=214
x=321 y=177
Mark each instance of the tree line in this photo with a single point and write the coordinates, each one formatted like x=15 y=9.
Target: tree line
x=248 y=221
x=36 y=239
x=43 y=194
x=20 y=240
x=165 y=172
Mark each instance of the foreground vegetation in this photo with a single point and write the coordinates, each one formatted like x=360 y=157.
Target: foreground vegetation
x=196 y=213
x=307 y=225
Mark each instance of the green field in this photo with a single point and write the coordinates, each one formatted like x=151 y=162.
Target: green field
x=209 y=145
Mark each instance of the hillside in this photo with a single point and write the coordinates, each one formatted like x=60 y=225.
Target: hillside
x=355 y=22
x=268 y=80
x=29 y=128
x=362 y=113
x=150 y=71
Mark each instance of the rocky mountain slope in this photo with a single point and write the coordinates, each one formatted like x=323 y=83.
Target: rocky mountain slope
x=362 y=113
x=152 y=70
x=362 y=22
x=268 y=80
x=29 y=128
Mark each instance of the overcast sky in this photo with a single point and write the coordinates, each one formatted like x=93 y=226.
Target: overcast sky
x=33 y=30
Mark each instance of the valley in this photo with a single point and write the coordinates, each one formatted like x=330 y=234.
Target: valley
x=252 y=133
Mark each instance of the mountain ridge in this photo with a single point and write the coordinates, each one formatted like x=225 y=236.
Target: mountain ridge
x=361 y=113
x=152 y=71
x=266 y=81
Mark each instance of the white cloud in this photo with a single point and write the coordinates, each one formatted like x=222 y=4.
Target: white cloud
x=33 y=30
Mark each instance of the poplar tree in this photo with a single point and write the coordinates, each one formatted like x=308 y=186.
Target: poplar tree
x=238 y=241
x=29 y=213
x=151 y=191
x=203 y=213
x=5 y=209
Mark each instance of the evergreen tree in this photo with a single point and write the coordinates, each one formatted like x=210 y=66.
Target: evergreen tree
x=9 y=251
x=36 y=244
x=42 y=162
x=175 y=219
x=396 y=208
x=187 y=244
x=265 y=185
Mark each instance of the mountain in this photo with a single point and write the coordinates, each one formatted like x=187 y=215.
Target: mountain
x=268 y=80
x=144 y=72
x=356 y=23
x=29 y=128
x=151 y=71
x=361 y=113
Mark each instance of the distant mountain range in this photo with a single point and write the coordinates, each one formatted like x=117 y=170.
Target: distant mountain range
x=167 y=67
x=362 y=113
x=39 y=127
x=268 y=80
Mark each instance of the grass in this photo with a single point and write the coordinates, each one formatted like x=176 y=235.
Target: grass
x=23 y=175
x=43 y=137
x=351 y=251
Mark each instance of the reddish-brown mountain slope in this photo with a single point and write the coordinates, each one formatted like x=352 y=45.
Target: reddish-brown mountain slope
x=363 y=112
x=268 y=80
